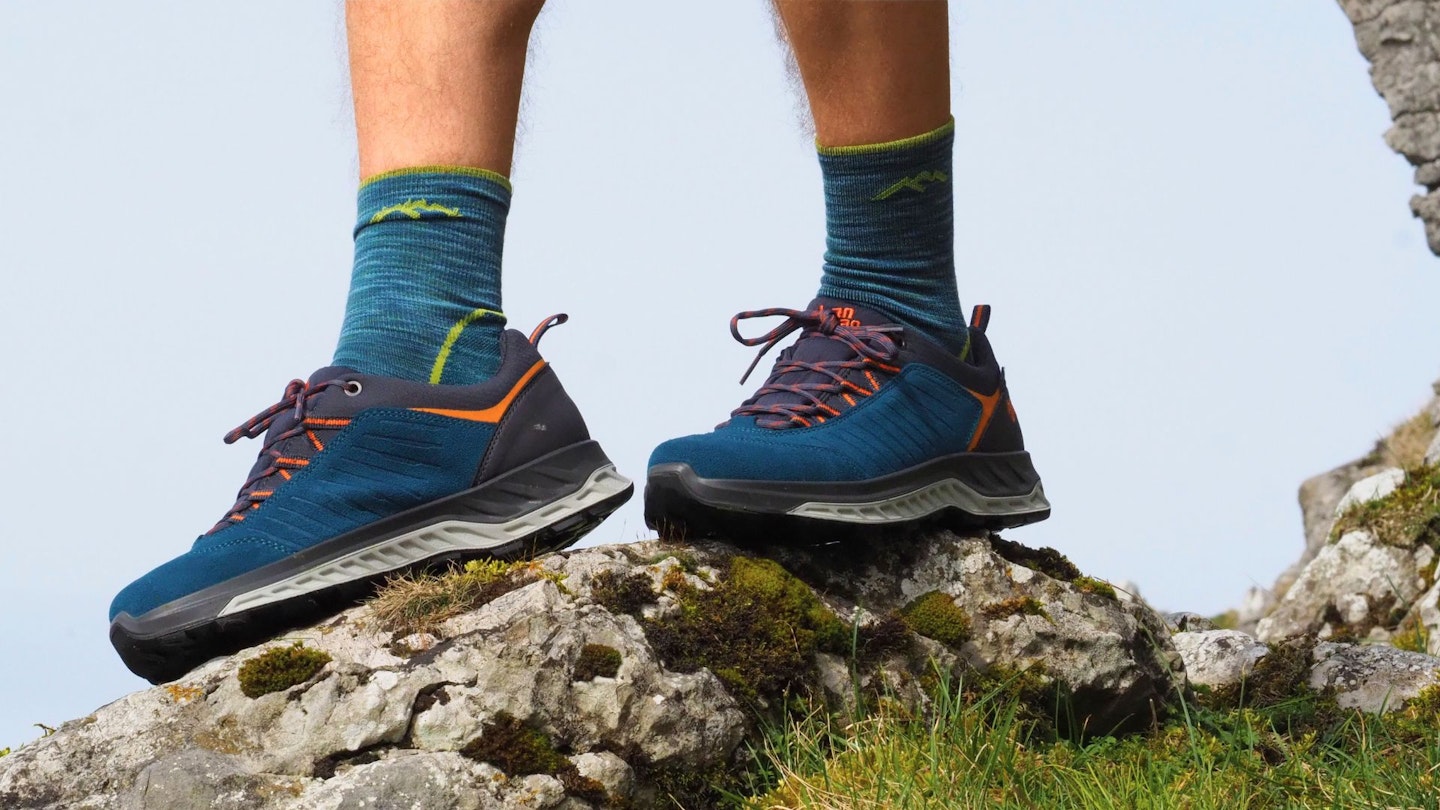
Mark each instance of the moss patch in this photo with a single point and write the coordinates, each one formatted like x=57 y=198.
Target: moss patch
x=1095 y=586
x=596 y=661
x=280 y=668
x=1046 y=560
x=757 y=629
x=1405 y=518
x=935 y=615
x=515 y=748
x=1280 y=676
x=1014 y=606
x=627 y=595
x=419 y=603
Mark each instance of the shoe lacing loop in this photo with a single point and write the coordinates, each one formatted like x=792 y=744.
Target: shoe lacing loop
x=871 y=347
x=297 y=396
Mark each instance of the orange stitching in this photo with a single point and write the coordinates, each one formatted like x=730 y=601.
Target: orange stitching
x=319 y=422
x=871 y=378
x=315 y=440
x=849 y=399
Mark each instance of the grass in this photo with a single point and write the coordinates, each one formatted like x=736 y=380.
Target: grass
x=982 y=752
x=1406 y=445
x=418 y=603
x=1405 y=518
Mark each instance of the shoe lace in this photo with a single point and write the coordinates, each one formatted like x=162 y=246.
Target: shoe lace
x=297 y=396
x=871 y=349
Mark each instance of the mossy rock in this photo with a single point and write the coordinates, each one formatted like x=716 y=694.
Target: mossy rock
x=280 y=668
x=757 y=629
x=1406 y=518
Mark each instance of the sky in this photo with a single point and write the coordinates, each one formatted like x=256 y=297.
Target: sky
x=1206 y=280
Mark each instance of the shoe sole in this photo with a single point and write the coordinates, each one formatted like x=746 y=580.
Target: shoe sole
x=963 y=491
x=545 y=505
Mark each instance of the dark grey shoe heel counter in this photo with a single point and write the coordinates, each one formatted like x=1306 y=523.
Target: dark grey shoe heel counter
x=543 y=419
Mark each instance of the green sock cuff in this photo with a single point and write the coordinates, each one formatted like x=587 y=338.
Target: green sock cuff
x=890 y=146
x=468 y=171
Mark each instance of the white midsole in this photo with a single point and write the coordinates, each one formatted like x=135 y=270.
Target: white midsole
x=923 y=502
x=421 y=544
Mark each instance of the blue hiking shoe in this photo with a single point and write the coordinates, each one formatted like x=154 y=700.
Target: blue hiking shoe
x=864 y=426
x=363 y=476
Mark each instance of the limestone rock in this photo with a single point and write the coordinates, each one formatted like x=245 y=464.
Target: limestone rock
x=1372 y=678
x=1319 y=497
x=1217 y=658
x=1398 y=38
x=1114 y=656
x=1356 y=583
x=1371 y=488
x=404 y=719
x=1432 y=455
x=1183 y=622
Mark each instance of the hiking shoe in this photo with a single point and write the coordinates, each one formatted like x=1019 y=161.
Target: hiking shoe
x=863 y=425
x=363 y=476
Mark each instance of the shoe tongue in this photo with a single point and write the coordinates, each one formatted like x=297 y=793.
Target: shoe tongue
x=813 y=347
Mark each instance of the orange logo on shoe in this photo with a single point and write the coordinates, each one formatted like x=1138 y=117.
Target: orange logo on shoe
x=493 y=413
x=846 y=316
x=987 y=411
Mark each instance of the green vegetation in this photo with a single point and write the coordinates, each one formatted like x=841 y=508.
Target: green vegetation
x=626 y=595
x=280 y=668
x=979 y=750
x=418 y=603
x=1015 y=606
x=757 y=629
x=1095 y=586
x=935 y=615
x=519 y=749
x=596 y=661
x=1405 y=518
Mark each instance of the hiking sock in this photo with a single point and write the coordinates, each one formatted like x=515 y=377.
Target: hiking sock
x=890 y=232
x=424 y=300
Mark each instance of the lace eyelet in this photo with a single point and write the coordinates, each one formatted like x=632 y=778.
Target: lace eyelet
x=353 y=388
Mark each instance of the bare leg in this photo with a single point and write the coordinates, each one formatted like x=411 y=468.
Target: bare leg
x=437 y=83
x=873 y=71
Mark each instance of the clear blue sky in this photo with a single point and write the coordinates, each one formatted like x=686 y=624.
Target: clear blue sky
x=1206 y=282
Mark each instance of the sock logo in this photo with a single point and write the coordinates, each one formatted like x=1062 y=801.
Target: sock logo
x=413 y=209
x=916 y=183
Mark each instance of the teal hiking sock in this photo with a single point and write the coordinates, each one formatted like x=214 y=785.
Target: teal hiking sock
x=890 y=231
x=424 y=299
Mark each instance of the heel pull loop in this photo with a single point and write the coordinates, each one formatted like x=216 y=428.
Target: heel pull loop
x=553 y=320
x=980 y=317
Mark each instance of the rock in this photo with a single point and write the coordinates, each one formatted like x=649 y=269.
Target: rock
x=1397 y=37
x=1371 y=488
x=1256 y=605
x=1432 y=455
x=1425 y=614
x=1113 y=656
x=1354 y=584
x=1217 y=658
x=1187 y=623
x=432 y=721
x=1372 y=678
x=1319 y=497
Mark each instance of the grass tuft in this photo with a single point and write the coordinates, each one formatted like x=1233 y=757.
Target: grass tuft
x=419 y=603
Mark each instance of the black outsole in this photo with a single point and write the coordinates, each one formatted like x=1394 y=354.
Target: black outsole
x=676 y=514
x=167 y=656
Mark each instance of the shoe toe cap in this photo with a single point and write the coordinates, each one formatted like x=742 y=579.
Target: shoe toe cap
x=195 y=571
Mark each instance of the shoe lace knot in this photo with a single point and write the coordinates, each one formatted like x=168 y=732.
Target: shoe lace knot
x=803 y=392
x=276 y=460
